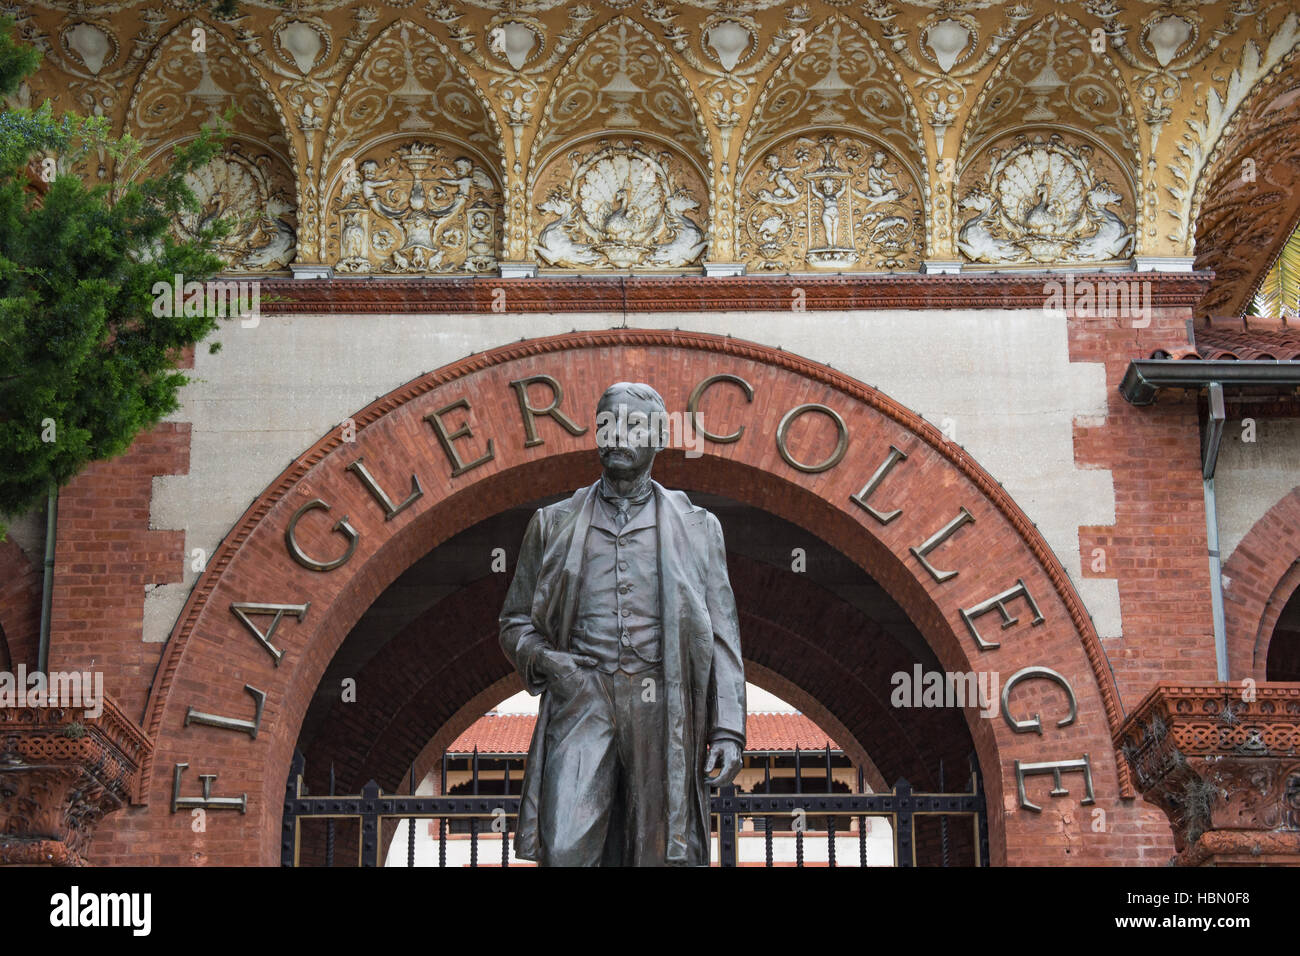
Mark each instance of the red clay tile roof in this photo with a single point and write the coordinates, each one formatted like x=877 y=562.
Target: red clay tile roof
x=1254 y=344
x=1243 y=339
x=783 y=732
x=496 y=734
x=510 y=734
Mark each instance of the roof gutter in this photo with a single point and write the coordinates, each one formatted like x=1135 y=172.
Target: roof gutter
x=1144 y=378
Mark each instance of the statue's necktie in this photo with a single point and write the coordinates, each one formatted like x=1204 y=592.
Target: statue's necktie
x=623 y=503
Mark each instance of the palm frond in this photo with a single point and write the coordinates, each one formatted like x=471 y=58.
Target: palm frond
x=1278 y=294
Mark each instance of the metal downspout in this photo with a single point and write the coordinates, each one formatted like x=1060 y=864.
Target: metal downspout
x=47 y=586
x=1210 y=453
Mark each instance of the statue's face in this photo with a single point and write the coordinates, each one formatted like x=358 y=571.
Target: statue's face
x=626 y=434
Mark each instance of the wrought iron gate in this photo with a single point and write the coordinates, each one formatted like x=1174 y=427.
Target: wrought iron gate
x=490 y=817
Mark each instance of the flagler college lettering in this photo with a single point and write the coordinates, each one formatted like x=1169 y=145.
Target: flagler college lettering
x=465 y=449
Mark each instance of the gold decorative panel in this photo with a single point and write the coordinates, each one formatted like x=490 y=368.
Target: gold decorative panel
x=1128 y=119
x=834 y=202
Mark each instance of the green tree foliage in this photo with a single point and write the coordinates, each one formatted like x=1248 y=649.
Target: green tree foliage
x=85 y=364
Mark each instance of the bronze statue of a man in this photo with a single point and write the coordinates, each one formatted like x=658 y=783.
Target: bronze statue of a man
x=621 y=616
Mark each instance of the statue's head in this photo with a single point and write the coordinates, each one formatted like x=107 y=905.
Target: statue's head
x=631 y=428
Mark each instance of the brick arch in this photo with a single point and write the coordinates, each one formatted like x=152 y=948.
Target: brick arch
x=1259 y=578
x=211 y=654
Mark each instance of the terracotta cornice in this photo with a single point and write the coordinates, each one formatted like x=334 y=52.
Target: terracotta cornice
x=1021 y=290
x=61 y=772
x=1223 y=762
x=111 y=744
x=1271 y=717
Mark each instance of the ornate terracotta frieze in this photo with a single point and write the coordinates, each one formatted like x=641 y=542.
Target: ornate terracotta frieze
x=1223 y=761
x=455 y=138
x=61 y=772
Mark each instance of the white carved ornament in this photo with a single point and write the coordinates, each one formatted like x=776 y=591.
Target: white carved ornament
x=834 y=202
x=1041 y=201
x=621 y=205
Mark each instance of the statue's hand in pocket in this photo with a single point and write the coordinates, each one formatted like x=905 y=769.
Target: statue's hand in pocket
x=555 y=665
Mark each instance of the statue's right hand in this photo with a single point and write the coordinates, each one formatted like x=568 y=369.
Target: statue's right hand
x=553 y=664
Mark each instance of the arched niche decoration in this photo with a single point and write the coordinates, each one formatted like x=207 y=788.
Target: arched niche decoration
x=414 y=205
x=620 y=202
x=620 y=173
x=412 y=169
x=191 y=78
x=1045 y=195
x=830 y=199
x=1052 y=76
x=839 y=84
x=1032 y=186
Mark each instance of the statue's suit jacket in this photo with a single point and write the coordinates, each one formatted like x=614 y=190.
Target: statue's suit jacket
x=704 y=680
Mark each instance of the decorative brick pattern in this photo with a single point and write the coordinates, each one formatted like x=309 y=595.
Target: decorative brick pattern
x=1224 y=765
x=686 y=293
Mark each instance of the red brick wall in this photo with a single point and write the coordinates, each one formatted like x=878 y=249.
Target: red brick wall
x=20 y=607
x=106 y=556
x=1157 y=547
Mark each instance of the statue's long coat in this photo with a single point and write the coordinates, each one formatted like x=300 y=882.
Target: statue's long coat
x=704 y=679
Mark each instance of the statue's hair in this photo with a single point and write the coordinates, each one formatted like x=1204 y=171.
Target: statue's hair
x=637 y=390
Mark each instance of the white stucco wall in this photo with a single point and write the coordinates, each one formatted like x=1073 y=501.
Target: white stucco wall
x=1000 y=381
x=1253 y=476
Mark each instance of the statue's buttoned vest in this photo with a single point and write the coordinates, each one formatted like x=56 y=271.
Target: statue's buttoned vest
x=617 y=619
